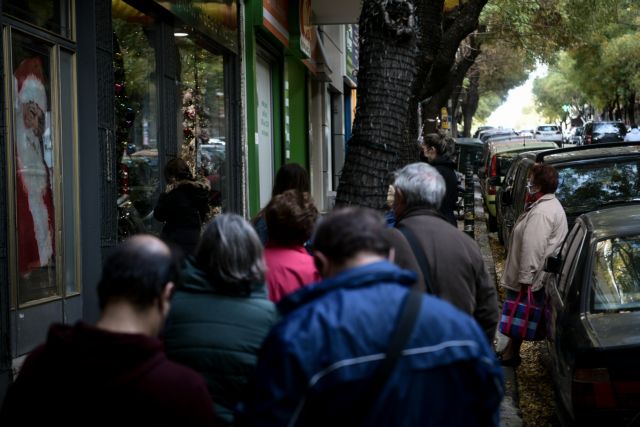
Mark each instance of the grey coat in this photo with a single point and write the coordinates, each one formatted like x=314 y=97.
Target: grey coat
x=457 y=270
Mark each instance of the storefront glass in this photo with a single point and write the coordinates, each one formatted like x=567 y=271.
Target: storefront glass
x=34 y=165
x=202 y=121
x=52 y=15
x=136 y=119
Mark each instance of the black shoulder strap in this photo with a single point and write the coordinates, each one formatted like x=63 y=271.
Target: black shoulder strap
x=419 y=253
x=362 y=408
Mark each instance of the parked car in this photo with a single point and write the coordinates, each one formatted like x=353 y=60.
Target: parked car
x=599 y=132
x=590 y=177
x=576 y=135
x=549 y=133
x=484 y=135
x=497 y=158
x=593 y=319
x=480 y=129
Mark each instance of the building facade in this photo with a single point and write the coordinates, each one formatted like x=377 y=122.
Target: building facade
x=97 y=95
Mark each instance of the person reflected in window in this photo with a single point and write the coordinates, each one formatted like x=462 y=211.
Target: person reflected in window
x=182 y=207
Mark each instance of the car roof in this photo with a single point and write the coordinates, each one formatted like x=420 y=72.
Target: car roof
x=522 y=145
x=588 y=152
x=614 y=221
x=468 y=141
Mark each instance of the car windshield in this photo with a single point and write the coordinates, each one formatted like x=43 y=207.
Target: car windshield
x=547 y=128
x=615 y=282
x=585 y=187
x=609 y=128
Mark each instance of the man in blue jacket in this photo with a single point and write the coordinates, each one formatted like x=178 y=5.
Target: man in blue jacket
x=318 y=362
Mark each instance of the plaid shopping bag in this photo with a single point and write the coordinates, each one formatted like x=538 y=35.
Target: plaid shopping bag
x=521 y=319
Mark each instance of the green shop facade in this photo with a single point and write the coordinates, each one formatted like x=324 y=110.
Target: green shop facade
x=280 y=54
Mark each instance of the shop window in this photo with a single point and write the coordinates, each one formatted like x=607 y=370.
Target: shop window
x=43 y=202
x=34 y=169
x=136 y=120
x=202 y=121
x=51 y=15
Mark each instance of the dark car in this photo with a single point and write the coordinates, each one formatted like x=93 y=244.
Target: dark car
x=468 y=150
x=593 y=319
x=599 y=132
x=590 y=177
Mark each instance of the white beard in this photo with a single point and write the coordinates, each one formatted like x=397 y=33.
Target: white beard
x=34 y=175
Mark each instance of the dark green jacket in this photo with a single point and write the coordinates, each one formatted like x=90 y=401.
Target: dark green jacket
x=218 y=335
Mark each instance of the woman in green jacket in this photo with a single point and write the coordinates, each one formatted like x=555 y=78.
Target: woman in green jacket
x=220 y=315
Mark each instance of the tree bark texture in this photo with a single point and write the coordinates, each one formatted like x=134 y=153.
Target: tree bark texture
x=471 y=100
x=385 y=79
x=466 y=59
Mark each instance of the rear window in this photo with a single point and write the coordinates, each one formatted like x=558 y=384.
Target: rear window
x=610 y=128
x=586 y=187
x=615 y=282
x=548 y=128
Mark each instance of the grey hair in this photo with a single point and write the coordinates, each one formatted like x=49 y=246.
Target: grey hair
x=231 y=255
x=420 y=185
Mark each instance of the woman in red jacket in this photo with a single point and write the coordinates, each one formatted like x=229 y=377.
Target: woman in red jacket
x=290 y=218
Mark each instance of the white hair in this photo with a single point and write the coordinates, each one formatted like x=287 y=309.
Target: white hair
x=421 y=185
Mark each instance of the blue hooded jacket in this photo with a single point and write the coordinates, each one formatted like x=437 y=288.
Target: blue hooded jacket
x=320 y=357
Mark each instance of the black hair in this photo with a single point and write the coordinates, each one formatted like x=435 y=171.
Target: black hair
x=345 y=232
x=291 y=176
x=177 y=169
x=137 y=271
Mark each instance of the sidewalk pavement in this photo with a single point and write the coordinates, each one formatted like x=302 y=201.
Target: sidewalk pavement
x=509 y=409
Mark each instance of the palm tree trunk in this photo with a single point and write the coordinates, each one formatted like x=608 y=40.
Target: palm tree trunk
x=385 y=78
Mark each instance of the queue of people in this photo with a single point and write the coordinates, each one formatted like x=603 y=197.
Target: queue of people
x=295 y=319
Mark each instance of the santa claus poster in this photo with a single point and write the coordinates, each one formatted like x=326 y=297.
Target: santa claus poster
x=34 y=165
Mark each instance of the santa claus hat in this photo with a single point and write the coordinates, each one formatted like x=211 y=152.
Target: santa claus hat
x=32 y=90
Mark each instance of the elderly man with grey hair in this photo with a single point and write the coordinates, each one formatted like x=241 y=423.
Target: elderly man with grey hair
x=452 y=260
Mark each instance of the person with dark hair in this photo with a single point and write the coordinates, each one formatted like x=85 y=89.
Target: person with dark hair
x=329 y=360
x=290 y=218
x=290 y=176
x=183 y=207
x=537 y=234
x=438 y=149
x=221 y=314
x=116 y=370
x=452 y=260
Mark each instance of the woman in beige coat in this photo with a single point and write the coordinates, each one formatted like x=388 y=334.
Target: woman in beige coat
x=537 y=234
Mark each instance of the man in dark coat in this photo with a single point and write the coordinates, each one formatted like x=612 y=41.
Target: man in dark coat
x=318 y=362
x=456 y=268
x=116 y=372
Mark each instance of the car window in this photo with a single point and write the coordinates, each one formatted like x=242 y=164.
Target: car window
x=609 y=128
x=569 y=255
x=547 y=128
x=615 y=280
x=584 y=187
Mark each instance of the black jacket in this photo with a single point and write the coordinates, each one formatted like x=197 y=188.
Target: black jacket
x=446 y=167
x=183 y=209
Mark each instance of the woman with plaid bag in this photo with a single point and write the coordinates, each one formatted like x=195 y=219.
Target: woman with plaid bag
x=537 y=234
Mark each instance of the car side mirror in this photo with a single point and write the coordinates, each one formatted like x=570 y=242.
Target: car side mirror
x=506 y=198
x=553 y=264
x=495 y=181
